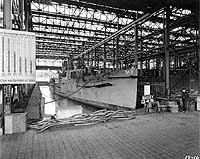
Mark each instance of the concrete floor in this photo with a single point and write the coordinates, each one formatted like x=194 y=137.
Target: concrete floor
x=153 y=136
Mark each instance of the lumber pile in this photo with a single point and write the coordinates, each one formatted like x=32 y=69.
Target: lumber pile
x=83 y=119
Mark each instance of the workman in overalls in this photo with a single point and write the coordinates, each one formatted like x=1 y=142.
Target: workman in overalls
x=185 y=97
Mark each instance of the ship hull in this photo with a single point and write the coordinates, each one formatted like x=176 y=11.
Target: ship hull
x=112 y=93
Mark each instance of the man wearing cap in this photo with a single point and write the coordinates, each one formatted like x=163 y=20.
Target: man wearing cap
x=185 y=97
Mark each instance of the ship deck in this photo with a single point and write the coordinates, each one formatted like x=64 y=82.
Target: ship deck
x=159 y=135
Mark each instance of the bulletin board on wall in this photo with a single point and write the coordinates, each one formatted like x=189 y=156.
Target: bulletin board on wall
x=17 y=57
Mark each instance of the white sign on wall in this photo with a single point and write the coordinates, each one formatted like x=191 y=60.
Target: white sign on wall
x=147 y=90
x=17 y=57
x=198 y=103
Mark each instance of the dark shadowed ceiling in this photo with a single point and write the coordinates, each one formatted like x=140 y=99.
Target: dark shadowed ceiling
x=144 y=4
x=141 y=5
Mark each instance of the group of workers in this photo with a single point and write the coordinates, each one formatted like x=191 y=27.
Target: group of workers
x=152 y=102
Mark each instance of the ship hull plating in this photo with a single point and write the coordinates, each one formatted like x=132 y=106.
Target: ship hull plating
x=116 y=91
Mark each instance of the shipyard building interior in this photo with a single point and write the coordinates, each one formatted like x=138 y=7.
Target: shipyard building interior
x=146 y=52
x=163 y=44
x=160 y=38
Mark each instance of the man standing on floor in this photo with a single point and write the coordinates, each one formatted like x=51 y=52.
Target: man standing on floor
x=185 y=97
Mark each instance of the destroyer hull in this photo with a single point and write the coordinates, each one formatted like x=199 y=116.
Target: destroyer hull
x=113 y=93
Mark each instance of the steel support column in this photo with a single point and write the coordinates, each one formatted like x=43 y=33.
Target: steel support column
x=146 y=67
x=117 y=47
x=104 y=53
x=166 y=49
x=21 y=13
x=136 y=48
x=95 y=57
x=88 y=59
x=98 y=60
x=28 y=20
x=82 y=60
x=199 y=49
x=116 y=53
x=6 y=89
x=104 y=57
x=141 y=68
x=7 y=12
x=141 y=62
x=27 y=26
